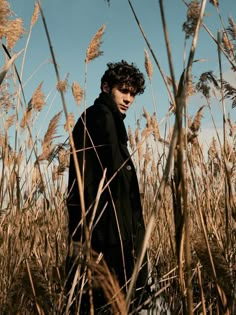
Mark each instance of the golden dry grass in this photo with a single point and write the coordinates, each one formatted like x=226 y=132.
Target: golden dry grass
x=33 y=183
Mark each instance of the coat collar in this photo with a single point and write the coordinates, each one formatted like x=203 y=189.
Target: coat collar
x=105 y=99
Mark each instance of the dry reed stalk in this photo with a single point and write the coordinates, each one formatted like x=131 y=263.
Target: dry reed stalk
x=69 y=122
x=13 y=32
x=93 y=50
x=139 y=261
x=167 y=44
x=77 y=168
x=201 y=290
x=77 y=92
x=7 y=66
x=152 y=53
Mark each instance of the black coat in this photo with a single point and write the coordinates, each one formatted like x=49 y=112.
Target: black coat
x=102 y=144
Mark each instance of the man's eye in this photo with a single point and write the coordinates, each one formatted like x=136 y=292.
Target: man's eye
x=126 y=91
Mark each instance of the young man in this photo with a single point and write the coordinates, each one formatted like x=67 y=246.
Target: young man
x=100 y=140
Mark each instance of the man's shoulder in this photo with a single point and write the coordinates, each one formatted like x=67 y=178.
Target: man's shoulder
x=97 y=110
x=93 y=114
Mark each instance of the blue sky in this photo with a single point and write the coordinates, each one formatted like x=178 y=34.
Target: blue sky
x=73 y=23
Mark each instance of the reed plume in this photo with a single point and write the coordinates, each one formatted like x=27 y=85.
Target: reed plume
x=197 y=120
x=93 y=50
x=13 y=32
x=26 y=117
x=62 y=85
x=5 y=12
x=49 y=136
x=148 y=65
x=229 y=92
x=35 y=15
x=36 y=102
x=229 y=47
x=232 y=127
x=10 y=121
x=192 y=18
x=38 y=98
x=232 y=28
x=77 y=92
x=63 y=159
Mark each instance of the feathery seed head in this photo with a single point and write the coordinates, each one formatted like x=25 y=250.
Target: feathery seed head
x=197 y=120
x=13 y=33
x=25 y=119
x=148 y=65
x=93 y=50
x=147 y=117
x=38 y=98
x=62 y=85
x=155 y=127
x=48 y=137
x=192 y=18
x=77 y=92
x=35 y=15
x=229 y=47
x=10 y=121
x=232 y=28
x=5 y=12
x=232 y=128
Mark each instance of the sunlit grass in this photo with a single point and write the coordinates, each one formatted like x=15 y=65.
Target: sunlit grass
x=191 y=200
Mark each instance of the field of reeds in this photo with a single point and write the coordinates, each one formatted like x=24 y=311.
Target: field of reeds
x=188 y=191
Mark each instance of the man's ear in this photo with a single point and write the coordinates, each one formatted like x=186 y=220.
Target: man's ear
x=105 y=87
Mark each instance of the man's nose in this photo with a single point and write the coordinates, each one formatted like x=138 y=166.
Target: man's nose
x=127 y=98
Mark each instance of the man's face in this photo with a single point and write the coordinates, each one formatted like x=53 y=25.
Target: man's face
x=123 y=96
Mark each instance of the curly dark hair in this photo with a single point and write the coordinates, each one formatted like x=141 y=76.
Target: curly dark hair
x=121 y=73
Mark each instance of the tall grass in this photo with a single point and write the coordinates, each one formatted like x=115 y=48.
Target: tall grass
x=188 y=196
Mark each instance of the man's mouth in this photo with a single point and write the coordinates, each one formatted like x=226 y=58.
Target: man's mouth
x=122 y=107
